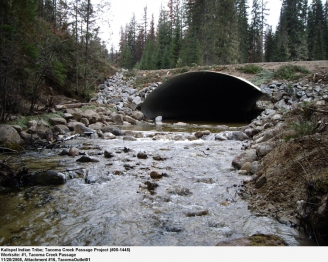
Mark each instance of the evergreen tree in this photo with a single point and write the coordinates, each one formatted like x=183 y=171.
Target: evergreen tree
x=164 y=40
x=242 y=18
x=255 y=34
x=270 y=47
x=316 y=31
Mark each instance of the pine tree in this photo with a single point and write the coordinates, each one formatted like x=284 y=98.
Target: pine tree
x=164 y=40
x=242 y=18
x=255 y=34
x=316 y=31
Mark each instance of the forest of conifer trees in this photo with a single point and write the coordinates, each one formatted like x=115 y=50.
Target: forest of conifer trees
x=56 y=43
x=206 y=32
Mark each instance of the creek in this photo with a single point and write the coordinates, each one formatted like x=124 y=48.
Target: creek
x=195 y=203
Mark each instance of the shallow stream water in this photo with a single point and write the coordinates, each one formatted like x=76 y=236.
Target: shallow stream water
x=196 y=203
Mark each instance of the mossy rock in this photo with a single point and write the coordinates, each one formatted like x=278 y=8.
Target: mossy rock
x=14 y=146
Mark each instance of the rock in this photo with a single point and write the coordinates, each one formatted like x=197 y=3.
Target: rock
x=158 y=119
x=199 y=134
x=65 y=152
x=246 y=167
x=142 y=155
x=84 y=121
x=157 y=175
x=49 y=177
x=180 y=124
x=254 y=167
x=73 y=151
x=159 y=158
x=9 y=134
x=235 y=135
x=260 y=182
x=220 y=137
x=57 y=121
x=60 y=129
x=86 y=159
x=109 y=136
x=130 y=120
x=263 y=149
x=129 y=138
x=91 y=115
x=81 y=129
x=137 y=115
x=118 y=119
x=97 y=126
x=151 y=186
x=136 y=103
x=108 y=154
x=247 y=156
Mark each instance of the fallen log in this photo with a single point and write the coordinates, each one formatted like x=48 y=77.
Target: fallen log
x=75 y=105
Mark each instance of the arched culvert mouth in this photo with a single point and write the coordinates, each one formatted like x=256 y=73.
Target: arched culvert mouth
x=203 y=96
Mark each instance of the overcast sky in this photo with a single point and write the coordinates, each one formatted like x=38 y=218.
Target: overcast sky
x=121 y=12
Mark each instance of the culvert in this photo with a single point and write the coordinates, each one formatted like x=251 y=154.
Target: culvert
x=203 y=96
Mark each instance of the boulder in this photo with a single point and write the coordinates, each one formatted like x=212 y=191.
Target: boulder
x=247 y=156
x=81 y=129
x=9 y=134
x=57 y=121
x=91 y=115
x=137 y=115
x=60 y=129
x=130 y=120
x=49 y=177
x=118 y=119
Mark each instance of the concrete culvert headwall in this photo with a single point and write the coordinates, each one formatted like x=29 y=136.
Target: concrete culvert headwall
x=203 y=96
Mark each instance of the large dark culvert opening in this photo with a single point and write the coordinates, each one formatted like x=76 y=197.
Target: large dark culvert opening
x=203 y=96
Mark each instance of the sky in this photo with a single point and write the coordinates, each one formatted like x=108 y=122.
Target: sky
x=121 y=12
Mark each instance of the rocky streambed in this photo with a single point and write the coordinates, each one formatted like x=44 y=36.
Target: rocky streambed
x=112 y=177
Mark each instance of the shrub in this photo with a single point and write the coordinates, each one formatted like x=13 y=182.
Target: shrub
x=264 y=76
x=291 y=72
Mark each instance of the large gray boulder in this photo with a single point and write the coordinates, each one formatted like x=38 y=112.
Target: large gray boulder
x=9 y=134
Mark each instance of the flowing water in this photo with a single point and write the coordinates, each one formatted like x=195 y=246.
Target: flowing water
x=195 y=203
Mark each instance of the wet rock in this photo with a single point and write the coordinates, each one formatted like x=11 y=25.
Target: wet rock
x=197 y=213
x=151 y=186
x=220 y=137
x=129 y=138
x=263 y=149
x=86 y=159
x=159 y=158
x=158 y=119
x=9 y=134
x=142 y=155
x=235 y=135
x=200 y=134
x=108 y=154
x=157 y=175
x=49 y=177
x=114 y=130
x=109 y=136
x=64 y=152
x=73 y=151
